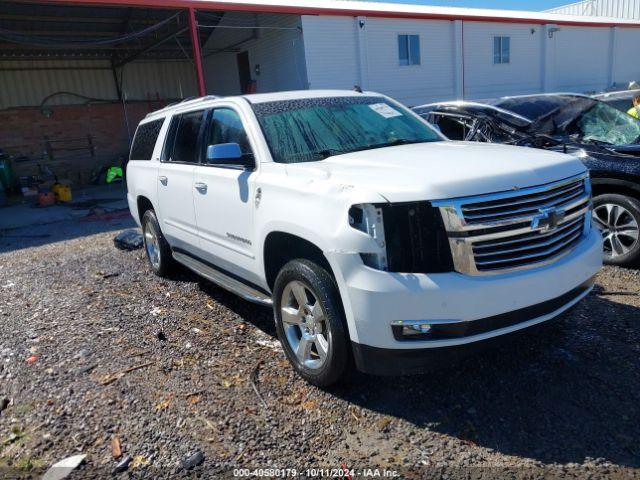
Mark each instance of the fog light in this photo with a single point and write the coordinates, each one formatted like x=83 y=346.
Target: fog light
x=411 y=329
x=416 y=329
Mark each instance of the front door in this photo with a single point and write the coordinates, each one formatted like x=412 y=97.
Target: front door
x=244 y=72
x=175 y=180
x=223 y=202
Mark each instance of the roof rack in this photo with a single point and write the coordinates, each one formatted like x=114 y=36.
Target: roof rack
x=186 y=101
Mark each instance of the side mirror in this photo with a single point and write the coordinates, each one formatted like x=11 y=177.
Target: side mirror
x=223 y=153
x=229 y=154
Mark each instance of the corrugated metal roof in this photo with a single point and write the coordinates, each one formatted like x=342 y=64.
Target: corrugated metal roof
x=29 y=82
x=355 y=8
x=117 y=33
x=629 y=9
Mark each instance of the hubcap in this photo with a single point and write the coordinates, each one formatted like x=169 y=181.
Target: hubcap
x=152 y=245
x=619 y=229
x=305 y=325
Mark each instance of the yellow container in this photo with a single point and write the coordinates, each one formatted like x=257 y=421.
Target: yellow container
x=62 y=192
x=56 y=189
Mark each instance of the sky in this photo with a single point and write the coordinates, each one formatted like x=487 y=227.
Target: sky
x=532 y=5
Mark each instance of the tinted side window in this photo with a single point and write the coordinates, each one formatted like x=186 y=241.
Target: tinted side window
x=531 y=108
x=145 y=140
x=183 y=144
x=226 y=127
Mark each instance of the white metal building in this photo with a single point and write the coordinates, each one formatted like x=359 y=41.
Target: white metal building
x=85 y=71
x=601 y=8
x=448 y=53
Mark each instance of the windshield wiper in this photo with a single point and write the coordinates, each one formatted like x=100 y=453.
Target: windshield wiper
x=404 y=141
x=595 y=141
x=394 y=143
x=328 y=152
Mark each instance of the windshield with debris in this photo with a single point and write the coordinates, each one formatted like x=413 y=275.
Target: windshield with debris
x=587 y=119
x=313 y=129
x=606 y=124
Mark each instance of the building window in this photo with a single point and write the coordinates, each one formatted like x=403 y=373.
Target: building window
x=409 y=49
x=501 y=49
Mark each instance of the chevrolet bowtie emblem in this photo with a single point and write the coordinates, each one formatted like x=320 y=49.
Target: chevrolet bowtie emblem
x=548 y=219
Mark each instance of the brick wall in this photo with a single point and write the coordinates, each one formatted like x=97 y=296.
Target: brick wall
x=24 y=132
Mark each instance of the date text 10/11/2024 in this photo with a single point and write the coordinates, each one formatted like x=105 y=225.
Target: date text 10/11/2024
x=344 y=472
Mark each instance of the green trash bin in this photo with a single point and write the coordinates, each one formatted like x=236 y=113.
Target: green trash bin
x=6 y=175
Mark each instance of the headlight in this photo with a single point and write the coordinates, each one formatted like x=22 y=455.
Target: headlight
x=368 y=218
x=411 y=237
x=588 y=223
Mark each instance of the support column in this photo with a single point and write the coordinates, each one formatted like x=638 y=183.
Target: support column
x=458 y=59
x=613 y=38
x=362 y=52
x=197 y=56
x=548 y=63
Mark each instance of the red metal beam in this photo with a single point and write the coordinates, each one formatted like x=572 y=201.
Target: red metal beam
x=197 y=56
x=300 y=10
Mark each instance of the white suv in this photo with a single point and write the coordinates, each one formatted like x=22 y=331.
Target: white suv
x=374 y=238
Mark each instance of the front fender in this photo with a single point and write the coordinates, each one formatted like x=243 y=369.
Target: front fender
x=629 y=183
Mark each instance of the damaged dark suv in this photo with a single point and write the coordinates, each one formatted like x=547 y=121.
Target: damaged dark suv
x=606 y=139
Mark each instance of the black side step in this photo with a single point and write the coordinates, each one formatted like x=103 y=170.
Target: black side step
x=225 y=281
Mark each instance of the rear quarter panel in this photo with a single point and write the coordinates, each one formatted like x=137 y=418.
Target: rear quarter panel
x=142 y=176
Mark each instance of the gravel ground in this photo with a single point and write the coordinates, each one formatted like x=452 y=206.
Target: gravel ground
x=95 y=348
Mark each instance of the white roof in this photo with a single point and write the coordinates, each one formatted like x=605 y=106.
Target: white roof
x=196 y=103
x=399 y=10
x=302 y=94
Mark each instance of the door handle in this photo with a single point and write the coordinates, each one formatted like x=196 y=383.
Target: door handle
x=201 y=187
x=163 y=180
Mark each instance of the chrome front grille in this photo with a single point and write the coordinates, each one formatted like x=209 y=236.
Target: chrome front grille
x=508 y=208
x=518 y=229
x=531 y=247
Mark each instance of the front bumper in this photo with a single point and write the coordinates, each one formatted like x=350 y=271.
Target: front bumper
x=489 y=305
x=387 y=361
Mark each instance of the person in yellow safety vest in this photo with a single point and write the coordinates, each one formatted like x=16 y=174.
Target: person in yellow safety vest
x=635 y=110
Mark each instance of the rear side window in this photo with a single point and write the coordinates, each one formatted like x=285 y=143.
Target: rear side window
x=145 y=140
x=183 y=141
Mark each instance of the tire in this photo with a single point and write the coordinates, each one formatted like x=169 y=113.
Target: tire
x=156 y=246
x=316 y=330
x=618 y=216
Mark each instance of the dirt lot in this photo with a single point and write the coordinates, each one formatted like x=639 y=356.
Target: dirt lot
x=94 y=347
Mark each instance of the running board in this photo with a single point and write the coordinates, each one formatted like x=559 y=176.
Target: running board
x=231 y=284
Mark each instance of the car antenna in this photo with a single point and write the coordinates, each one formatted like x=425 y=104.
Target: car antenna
x=357 y=88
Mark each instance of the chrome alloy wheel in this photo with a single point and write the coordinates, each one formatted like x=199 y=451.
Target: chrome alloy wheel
x=619 y=229
x=305 y=325
x=152 y=245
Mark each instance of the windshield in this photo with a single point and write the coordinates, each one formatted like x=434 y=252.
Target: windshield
x=604 y=123
x=588 y=119
x=313 y=129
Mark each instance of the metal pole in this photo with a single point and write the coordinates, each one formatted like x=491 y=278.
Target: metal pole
x=123 y=98
x=197 y=56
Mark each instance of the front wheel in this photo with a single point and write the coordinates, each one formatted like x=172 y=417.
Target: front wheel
x=618 y=216
x=310 y=322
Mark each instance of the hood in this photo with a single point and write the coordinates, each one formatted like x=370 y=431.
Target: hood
x=442 y=170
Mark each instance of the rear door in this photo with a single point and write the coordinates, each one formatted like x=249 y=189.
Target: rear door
x=182 y=152
x=223 y=199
